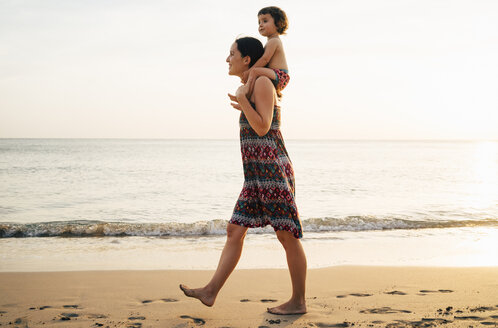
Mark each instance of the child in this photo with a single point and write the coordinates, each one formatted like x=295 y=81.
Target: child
x=272 y=22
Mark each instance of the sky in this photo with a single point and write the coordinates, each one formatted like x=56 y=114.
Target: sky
x=359 y=69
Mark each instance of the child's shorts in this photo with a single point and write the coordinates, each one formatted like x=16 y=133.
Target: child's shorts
x=281 y=78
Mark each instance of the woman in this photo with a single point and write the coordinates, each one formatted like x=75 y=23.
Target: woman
x=267 y=196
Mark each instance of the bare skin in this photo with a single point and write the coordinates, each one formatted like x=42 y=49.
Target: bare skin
x=260 y=120
x=229 y=258
x=296 y=261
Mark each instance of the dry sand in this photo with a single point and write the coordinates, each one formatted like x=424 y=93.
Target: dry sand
x=345 y=296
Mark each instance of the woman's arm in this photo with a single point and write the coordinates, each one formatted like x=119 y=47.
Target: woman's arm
x=259 y=118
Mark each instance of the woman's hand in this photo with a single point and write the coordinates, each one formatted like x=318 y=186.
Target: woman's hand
x=242 y=92
x=235 y=102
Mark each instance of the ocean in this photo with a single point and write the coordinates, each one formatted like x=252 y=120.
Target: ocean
x=107 y=204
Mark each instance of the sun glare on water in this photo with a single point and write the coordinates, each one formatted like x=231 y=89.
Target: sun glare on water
x=484 y=189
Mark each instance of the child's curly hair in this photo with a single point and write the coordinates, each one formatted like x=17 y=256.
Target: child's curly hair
x=279 y=17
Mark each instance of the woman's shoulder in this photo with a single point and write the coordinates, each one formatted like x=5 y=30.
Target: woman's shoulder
x=263 y=87
x=263 y=82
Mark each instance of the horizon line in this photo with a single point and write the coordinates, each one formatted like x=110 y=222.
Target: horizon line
x=231 y=139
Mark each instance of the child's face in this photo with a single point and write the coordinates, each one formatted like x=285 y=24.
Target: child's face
x=266 y=25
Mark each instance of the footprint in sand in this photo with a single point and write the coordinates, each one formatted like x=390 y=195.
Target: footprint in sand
x=44 y=307
x=23 y=322
x=137 y=318
x=448 y=311
x=75 y=306
x=395 y=292
x=482 y=309
x=354 y=294
x=360 y=295
x=425 y=322
x=198 y=321
x=343 y=324
x=384 y=310
x=71 y=315
x=436 y=291
x=134 y=325
x=436 y=320
x=469 y=317
x=68 y=316
x=425 y=292
x=96 y=316
x=267 y=300
x=166 y=300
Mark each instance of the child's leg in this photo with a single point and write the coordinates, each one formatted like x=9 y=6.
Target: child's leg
x=282 y=78
x=261 y=71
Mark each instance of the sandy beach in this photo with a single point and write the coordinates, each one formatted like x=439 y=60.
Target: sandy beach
x=341 y=296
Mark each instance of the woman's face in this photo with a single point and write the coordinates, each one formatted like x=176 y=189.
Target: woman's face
x=236 y=64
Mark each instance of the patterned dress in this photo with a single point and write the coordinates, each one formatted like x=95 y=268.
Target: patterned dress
x=268 y=193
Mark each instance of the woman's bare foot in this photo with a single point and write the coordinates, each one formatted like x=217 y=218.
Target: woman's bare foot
x=200 y=293
x=288 y=309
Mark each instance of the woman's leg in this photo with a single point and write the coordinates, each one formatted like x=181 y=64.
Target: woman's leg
x=296 y=261
x=228 y=260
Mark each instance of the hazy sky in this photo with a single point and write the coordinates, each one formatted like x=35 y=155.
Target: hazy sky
x=360 y=69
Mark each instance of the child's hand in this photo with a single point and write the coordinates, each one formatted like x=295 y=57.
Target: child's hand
x=250 y=85
x=250 y=80
x=245 y=76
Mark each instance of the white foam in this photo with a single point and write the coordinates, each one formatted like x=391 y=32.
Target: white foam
x=87 y=228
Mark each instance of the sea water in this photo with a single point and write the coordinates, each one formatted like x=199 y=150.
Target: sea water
x=85 y=204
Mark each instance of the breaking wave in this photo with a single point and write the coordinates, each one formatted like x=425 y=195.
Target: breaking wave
x=95 y=228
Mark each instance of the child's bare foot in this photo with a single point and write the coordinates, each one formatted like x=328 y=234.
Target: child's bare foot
x=288 y=308
x=200 y=293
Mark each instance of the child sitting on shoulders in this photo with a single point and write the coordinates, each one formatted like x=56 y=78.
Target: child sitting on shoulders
x=272 y=23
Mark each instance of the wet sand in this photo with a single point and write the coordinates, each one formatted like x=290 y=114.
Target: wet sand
x=342 y=296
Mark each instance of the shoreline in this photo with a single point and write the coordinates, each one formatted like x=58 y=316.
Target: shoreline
x=456 y=247
x=337 y=296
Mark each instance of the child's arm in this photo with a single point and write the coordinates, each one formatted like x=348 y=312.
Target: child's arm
x=270 y=48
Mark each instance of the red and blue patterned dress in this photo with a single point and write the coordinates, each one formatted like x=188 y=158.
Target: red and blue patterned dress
x=268 y=193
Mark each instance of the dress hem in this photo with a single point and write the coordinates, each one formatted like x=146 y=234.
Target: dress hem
x=248 y=225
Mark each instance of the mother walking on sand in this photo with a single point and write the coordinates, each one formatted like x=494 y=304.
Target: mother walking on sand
x=268 y=193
